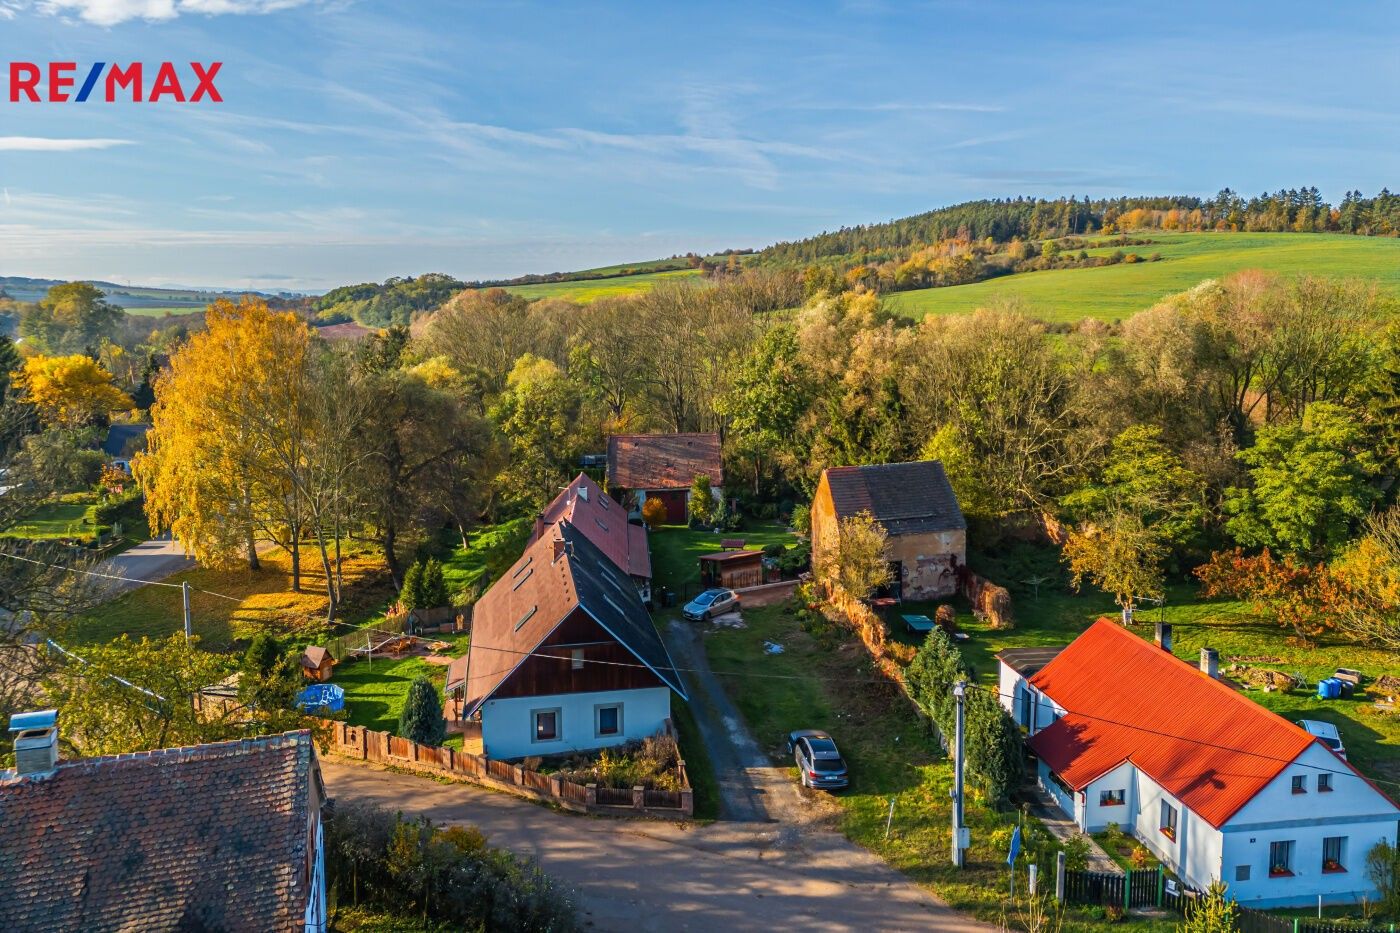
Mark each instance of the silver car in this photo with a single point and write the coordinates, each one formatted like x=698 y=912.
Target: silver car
x=819 y=764
x=711 y=603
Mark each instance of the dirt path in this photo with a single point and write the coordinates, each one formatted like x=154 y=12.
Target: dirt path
x=752 y=789
x=644 y=876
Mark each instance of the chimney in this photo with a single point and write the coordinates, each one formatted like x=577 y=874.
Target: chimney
x=36 y=742
x=1210 y=663
x=1163 y=637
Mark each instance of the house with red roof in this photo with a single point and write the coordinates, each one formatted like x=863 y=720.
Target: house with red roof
x=220 y=836
x=564 y=657
x=663 y=467
x=1212 y=783
x=596 y=515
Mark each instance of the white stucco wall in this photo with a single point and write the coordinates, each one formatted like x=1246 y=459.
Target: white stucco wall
x=1097 y=817
x=1352 y=810
x=1012 y=687
x=1009 y=687
x=507 y=726
x=1063 y=799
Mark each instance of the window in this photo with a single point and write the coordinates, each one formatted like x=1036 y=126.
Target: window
x=600 y=523
x=1281 y=859
x=577 y=660
x=1112 y=798
x=1168 y=825
x=1324 y=783
x=546 y=725
x=1334 y=853
x=526 y=617
x=1241 y=872
x=608 y=719
x=1300 y=784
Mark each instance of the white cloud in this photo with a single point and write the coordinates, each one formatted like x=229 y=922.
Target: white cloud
x=44 y=144
x=112 y=12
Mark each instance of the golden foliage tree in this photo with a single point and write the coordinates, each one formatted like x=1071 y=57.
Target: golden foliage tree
x=857 y=561
x=69 y=391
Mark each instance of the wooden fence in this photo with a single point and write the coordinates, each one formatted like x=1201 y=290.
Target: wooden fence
x=363 y=744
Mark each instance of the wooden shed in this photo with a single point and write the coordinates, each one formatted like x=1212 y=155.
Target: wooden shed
x=732 y=569
x=317 y=664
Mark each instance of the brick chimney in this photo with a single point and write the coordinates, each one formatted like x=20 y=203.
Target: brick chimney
x=1210 y=663
x=1163 y=637
x=36 y=742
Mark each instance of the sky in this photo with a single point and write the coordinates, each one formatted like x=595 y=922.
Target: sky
x=359 y=140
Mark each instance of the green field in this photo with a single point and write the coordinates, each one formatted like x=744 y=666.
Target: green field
x=593 y=289
x=1118 y=291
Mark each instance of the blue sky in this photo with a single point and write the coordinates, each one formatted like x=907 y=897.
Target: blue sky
x=360 y=139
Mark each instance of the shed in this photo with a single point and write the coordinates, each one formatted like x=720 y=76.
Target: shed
x=732 y=569
x=317 y=664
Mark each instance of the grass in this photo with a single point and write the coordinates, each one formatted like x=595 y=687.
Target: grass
x=589 y=290
x=698 y=767
x=488 y=554
x=375 y=690
x=1120 y=848
x=70 y=517
x=675 y=552
x=262 y=601
x=1118 y=291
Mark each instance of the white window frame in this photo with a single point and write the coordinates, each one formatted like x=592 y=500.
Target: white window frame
x=598 y=732
x=535 y=725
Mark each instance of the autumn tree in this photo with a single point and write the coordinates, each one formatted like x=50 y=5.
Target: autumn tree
x=1307 y=598
x=73 y=317
x=654 y=512
x=539 y=415
x=69 y=391
x=1370 y=568
x=855 y=559
x=1122 y=556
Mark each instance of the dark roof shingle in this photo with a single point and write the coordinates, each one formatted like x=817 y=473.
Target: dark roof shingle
x=906 y=498
x=210 y=837
x=663 y=461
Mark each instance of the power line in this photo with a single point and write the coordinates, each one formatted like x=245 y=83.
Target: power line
x=109 y=576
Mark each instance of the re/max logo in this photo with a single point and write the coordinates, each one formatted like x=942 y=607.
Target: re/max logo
x=124 y=82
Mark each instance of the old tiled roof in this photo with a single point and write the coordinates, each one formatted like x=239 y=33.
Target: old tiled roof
x=720 y=557
x=1027 y=661
x=1128 y=700
x=594 y=513
x=212 y=837
x=663 y=461
x=906 y=498
x=559 y=572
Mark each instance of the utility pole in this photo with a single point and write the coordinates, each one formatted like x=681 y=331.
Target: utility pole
x=959 y=689
x=185 y=592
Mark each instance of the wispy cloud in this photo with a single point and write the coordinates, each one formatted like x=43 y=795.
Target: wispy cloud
x=45 y=144
x=113 y=12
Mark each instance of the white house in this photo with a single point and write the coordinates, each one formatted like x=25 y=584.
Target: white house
x=1212 y=783
x=564 y=657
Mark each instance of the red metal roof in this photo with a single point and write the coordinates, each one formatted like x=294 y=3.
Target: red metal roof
x=593 y=512
x=1128 y=700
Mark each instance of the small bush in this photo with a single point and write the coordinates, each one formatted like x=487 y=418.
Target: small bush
x=1077 y=853
x=1140 y=857
x=802 y=519
x=651 y=762
x=654 y=513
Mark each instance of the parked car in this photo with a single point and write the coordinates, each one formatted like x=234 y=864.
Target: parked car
x=711 y=603
x=819 y=763
x=1326 y=733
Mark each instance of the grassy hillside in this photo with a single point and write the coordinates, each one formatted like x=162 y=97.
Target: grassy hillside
x=593 y=289
x=1115 y=292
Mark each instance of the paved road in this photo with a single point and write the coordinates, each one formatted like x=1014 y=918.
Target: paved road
x=640 y=876
x=150 y=560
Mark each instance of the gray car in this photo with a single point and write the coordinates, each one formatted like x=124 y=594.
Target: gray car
x=711 y=603
x=819 y=764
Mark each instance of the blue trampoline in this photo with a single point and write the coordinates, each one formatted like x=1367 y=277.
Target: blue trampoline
x=322 y=698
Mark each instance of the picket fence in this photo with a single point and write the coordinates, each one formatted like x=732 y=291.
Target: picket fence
x=363 y=744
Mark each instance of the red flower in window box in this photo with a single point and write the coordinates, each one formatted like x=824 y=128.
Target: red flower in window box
x=1280 y=871
x=1332 y=866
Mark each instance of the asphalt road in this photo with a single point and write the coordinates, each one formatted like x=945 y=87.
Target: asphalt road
x=641 y=876
x=148 y=561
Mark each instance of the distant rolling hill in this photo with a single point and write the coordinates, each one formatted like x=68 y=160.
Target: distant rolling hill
x=1118 y=291
x=134 y=299
x=586 y=290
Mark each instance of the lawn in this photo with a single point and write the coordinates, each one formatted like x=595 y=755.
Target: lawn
x=489 y=553
x=675 y=552
x=1118 y=291
x=70 y=517
x=375 y=690
x=587 y=290
x=262 y=601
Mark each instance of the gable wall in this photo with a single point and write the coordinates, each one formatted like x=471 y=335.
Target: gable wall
x=556 y=675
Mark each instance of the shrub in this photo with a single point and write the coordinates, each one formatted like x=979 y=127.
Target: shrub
x=1383 y=870
x=1140 y=857
x=1212 y=912
x=447 y=875
x=651 y=762
x=774 y=550
x=421 y=719
x=121 y=508
x=702 y=500
x=654 y=513
x=802 y=519
x=796 y=559
x=1077 y=852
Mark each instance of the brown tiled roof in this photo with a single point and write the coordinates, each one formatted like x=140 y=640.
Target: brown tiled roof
x=723 y=556
x=663 y=461
x=594 y=513
x=559 y=572
x=906 y=498
x=212 y=837
x=314 y=656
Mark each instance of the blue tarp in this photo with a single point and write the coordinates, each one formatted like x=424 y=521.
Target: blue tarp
x=323 y=697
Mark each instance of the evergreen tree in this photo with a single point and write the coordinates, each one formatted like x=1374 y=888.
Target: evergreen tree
x=421 y=720
x=411 y=596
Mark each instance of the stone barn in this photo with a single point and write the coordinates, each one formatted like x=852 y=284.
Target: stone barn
x=920 y=514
